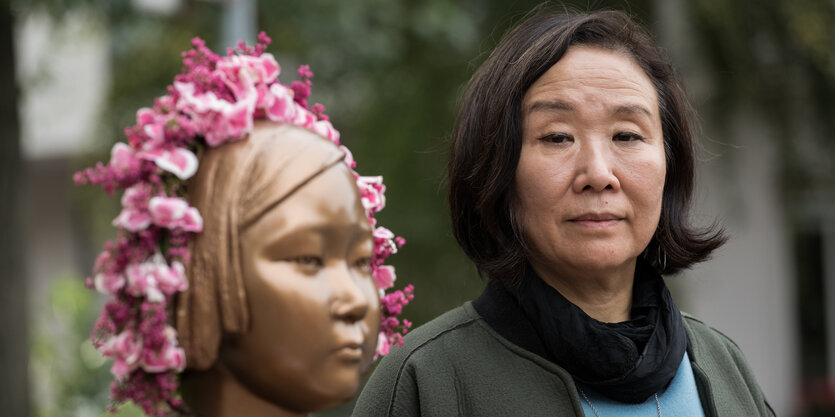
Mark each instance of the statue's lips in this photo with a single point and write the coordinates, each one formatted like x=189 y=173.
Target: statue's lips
x=350 y=351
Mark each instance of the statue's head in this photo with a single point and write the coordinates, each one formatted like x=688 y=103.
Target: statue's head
x=247 y=252
x=280 y=288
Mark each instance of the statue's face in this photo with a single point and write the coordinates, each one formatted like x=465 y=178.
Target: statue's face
x=315 y=310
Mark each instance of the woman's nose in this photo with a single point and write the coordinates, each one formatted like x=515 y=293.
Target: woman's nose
x=594 y=167
x=349 y=302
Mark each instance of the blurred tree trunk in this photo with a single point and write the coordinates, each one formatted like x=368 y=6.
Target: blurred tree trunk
x=14 y=341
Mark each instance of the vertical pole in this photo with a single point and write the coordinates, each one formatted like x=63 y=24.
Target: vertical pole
x=238 y=23
x=828 y=258
x=14 y=340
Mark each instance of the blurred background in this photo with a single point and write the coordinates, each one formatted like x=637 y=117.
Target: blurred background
x=760 y=73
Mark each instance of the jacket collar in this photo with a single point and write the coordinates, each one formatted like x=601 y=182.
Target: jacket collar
x=502 y=312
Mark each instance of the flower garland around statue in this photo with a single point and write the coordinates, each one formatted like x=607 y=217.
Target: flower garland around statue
x=213 y=101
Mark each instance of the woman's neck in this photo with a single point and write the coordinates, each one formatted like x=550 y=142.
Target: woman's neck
x=605 y=296
x=217 y=393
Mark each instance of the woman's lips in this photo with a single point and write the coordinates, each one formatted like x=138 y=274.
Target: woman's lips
x=596 y=220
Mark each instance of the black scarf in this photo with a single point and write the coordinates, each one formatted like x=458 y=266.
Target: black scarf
x=626 y=361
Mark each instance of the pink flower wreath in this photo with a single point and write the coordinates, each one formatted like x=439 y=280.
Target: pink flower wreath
x=213 y=101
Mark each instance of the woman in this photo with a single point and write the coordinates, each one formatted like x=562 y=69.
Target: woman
x=247 y=254
x=570 y=178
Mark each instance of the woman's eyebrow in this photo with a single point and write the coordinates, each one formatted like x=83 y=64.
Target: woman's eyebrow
x=550 y=105
x=561 y=105
x=632 y=109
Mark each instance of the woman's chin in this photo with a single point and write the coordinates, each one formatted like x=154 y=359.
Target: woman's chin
x=595 y=263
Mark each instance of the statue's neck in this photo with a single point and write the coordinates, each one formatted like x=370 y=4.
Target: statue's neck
x=216 y=393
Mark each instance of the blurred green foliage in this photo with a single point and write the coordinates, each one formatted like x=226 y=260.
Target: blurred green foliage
x=74 y=377
x=777 y=56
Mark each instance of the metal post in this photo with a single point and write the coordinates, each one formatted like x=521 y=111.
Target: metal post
x=828 y=258
x=239 y=22
x=14 y=341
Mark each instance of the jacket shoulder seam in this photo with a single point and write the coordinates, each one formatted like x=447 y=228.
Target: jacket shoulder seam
x=723 y=336
x=405 y=360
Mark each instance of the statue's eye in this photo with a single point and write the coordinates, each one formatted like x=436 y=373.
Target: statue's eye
x=307 y=260
x=363 y=263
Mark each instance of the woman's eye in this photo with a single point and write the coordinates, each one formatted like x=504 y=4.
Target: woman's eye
x=557 y=138
x=627 y=137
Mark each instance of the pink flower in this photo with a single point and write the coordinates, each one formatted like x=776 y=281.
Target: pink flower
x=125 y=349
x=103 y=262
x=279 y=105
x=233 y=121
x=384 y=276
x=168 y=358
x=240 y=80
x=325 y=128
x=146 y=116
x=216 y=119
x=305 y=72
x=349 y=157
x=302 y=117
x=319 y=110
x=175 y=213
x=163 y=105
x=383 y=345
x=123 y=158
x=301 y=91
x=109 y=283
x=153 y=128
x=384 y=244
x=178 y=161
x=142 y=282
x=167 y=210
x=171 y=279
x=393 y=303
x=240 y=72
x=132 y=220
x=156 y=135
x=267 y=67
x=154 y=279
x=137 y=197
x=134 y=215
x=372 y=192
x=383 y=233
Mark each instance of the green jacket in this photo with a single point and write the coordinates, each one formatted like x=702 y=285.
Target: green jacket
x=458 y=365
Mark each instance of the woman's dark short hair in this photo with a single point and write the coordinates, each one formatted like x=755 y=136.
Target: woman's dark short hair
x=487 y=141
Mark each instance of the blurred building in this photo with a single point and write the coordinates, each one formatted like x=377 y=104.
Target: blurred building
x=63 y=70
x=771 y=288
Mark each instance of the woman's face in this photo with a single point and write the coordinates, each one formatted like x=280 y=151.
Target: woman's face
x=591 y=171
x=314 y=306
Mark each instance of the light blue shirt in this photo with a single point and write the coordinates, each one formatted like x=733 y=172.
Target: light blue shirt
x=680 y=399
